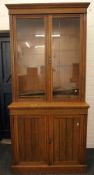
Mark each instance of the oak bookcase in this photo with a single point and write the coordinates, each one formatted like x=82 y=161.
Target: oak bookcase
x=48 y=113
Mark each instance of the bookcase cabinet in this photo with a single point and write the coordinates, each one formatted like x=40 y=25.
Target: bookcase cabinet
x=48 y=114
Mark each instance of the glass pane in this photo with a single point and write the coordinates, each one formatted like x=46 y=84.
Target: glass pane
x=31 y=57
x=66 y=56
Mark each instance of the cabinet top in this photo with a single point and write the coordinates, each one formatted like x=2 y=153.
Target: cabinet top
x=46 y=105
x=69 y=7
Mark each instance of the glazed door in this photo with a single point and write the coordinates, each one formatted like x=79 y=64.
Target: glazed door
x=66 y=139
x=31 y=139
x=66 y=57
x=31 y=58
x=5 y=85
x=49 y=56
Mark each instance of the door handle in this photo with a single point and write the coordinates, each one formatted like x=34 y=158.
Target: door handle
x=50 y=60
x=77 y=123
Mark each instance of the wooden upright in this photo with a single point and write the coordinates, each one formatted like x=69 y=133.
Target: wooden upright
x=48 y=113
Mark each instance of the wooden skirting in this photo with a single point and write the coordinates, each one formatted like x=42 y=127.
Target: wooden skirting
x=50 y=169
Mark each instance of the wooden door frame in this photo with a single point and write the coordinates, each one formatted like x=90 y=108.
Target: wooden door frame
x=3 y=34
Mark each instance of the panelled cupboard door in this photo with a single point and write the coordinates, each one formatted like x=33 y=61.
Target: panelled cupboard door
x=67 y=139
x=32 y=139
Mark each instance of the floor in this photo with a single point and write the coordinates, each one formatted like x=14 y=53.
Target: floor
x=5 y=161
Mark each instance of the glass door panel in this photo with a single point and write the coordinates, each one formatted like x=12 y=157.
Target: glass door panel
x=31 y=57
x=65 y=56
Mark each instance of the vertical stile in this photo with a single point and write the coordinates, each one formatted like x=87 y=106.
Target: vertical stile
x=49 y=58
x=82 y=57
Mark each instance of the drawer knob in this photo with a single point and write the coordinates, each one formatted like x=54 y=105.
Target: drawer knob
x=77 y=124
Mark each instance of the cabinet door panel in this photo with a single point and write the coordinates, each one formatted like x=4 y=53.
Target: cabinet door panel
x=66 y=139
x=31 y=57
x=66 y=57
x=32 y=139
x=58 y=140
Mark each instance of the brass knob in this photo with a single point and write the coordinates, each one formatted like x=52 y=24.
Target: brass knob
x=77 y=124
